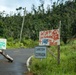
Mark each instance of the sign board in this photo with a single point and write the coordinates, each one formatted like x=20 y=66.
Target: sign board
x=3 y=44
x=49 y=37
x=40 y=52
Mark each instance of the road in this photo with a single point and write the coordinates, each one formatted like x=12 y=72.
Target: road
x=18 y=66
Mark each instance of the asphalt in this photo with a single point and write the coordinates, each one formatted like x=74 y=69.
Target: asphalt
x=18 y=66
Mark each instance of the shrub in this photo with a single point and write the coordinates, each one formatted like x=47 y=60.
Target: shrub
x=25 y=43
x=49 y=65
x=30 y=43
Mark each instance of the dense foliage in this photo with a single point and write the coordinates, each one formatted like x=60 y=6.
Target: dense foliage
x=40 y=19
x=49 y=66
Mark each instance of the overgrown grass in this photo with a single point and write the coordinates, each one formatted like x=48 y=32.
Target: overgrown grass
x=25 y=43
x=49 y=65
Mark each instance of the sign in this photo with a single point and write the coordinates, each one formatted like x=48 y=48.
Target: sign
x=2 y=43
x=49 y=37
x=40 y=52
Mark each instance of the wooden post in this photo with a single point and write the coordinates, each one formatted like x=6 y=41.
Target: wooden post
x=58 y=54
x=59 y=45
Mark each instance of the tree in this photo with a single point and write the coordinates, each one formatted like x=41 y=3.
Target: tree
x=1 y=29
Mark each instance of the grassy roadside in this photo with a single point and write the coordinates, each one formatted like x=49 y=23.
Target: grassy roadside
x=49 y=65
x=28 y=43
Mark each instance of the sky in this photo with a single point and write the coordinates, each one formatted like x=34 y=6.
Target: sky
x=11 y=5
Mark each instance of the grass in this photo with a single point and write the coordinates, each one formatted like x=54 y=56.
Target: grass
x=49 y=65
x=28 y=43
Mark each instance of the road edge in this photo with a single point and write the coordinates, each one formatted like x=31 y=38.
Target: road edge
x=28 y=62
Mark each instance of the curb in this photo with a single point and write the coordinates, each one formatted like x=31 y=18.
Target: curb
x=28 y=62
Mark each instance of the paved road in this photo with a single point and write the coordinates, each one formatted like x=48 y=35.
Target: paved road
x=18 y=67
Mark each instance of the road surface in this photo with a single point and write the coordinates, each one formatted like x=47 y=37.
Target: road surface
x=18 y=67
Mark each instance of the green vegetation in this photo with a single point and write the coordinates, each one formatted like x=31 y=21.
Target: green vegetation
x=28 y=43
x=49 y=65
x=37 y=20
x=40 y=19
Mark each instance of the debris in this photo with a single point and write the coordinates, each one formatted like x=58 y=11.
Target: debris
x=6 y=56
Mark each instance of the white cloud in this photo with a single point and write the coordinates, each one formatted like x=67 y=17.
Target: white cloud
x=11 y=5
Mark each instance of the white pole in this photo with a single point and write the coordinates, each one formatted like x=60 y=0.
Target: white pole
x=22 y=25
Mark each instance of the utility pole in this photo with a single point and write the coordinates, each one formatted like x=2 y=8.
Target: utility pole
x=22 y=25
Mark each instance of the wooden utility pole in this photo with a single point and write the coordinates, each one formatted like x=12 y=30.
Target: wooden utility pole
x=22 y=25
x=59 y=45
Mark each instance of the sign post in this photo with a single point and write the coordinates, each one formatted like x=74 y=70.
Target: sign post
x=50 y=38
x=40 y=52
x=3 y=44
x=59 y=44
x=58 y=54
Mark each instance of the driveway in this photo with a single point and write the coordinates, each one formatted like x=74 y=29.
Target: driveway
x=18 y=66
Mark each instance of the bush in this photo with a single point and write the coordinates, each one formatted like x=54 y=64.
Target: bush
x=24 y=44
x=30 y=43
x=49 y=65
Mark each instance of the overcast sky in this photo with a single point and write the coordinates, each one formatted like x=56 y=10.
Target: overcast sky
x=11 y=5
